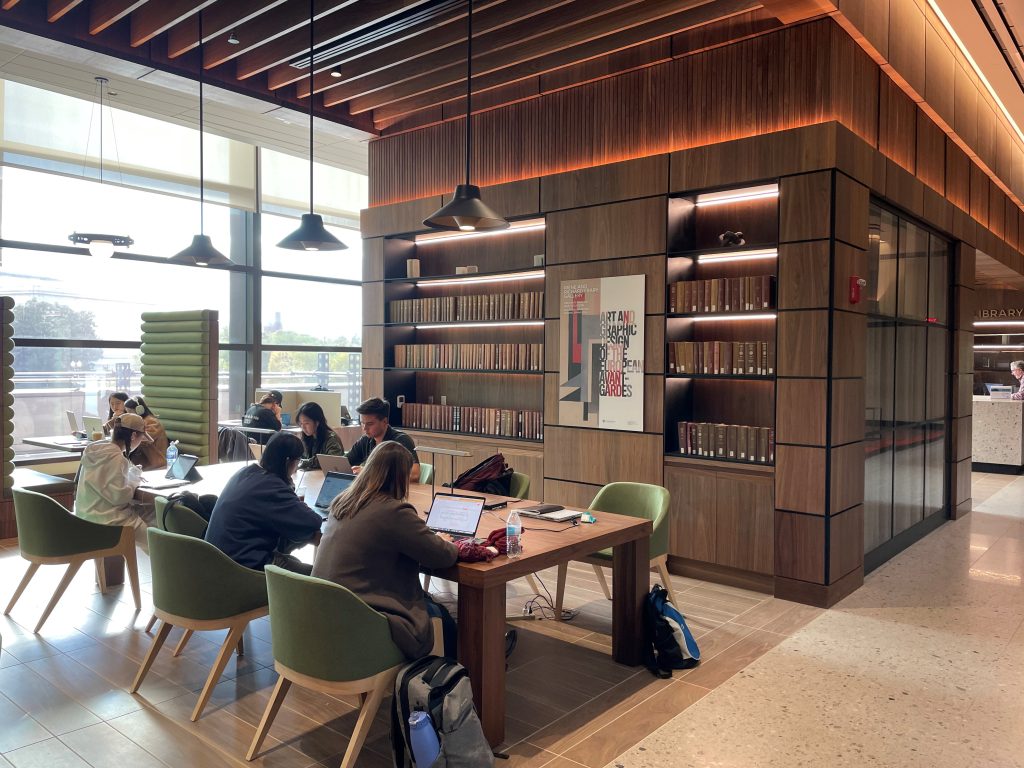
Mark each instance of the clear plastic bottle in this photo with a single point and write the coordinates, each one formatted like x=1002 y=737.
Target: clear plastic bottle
x=514 y=535
x=172 y=453
x=425 y=747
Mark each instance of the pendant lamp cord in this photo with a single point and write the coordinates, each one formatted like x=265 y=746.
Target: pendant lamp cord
x=469 y=84
x=311 y=106
x=101 y=132
x=202 y=196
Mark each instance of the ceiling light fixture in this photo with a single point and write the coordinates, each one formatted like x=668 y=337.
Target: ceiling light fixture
x=335 y=73
x=101 y=245
x=738 y=195
x=232 y=40
x=466 y=212
x=311 y=234
x=201 y=250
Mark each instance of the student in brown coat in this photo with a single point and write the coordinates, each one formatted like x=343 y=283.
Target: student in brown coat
x=375 y=543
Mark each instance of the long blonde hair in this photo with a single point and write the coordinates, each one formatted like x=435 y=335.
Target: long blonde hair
x=384 y=474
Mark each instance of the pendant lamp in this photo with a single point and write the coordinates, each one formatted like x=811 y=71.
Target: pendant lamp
x=466 y=212
x=201 y=251
x=101 y=245
x=311 y=234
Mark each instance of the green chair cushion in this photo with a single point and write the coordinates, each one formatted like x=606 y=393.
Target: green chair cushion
x=46 y=529
x=155 y=358
x=519 y=486
x=156 y=391
x=191 y=314
x=176 y=326
x=175 y=338
x=193 y=371
x=165 y=348
x=637 y=500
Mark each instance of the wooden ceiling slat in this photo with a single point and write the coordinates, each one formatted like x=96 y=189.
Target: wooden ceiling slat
x=332 y=28
x=531 y=67
x=490 y=19
x=565 y=21
x=220 y=19
x=104 y=13
x=155 y=18
x=8 y=4
x=55 y=9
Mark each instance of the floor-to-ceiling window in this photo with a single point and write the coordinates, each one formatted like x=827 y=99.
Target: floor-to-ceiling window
x=287 y=319
x=906 y=380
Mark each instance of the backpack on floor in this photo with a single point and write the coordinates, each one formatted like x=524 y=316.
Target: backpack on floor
x=441 y=688
x=668 y=643
x=492 y=475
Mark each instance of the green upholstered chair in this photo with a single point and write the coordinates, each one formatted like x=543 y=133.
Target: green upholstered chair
x=519 y=486
x=50 y=535
x=198 y=587
x=426 y=472
x=359 y=658
x=635 y=500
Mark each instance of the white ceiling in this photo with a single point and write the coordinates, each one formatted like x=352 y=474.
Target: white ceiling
x=66 y=69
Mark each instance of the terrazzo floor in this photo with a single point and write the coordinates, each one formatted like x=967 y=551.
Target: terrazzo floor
x=923 y=666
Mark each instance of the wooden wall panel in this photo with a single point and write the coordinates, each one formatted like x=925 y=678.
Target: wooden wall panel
x=958 y=176
x=398 y=219
x=847 y=411
x=800 y=479
x=746 y=518
x=854 y=86
x=931 y=153
x=652 y=266
x=373 y=381
x=803 y=275
x=940 y=74
x=801 y=411
x=692 y=526
x=846 y=543
x=805 y=207
x=903 y=188
x=847 y=478
x=800 y=547
x=514 y=199
x=979 y=195
x=965 y=106
x=849 y=340
x=802 y=343
x=870 y=19
x=908 y=56
x=373 y=258
x=373 y=303
x=373 y=346
x=617 y=230
x=601 y=456
x=851 y=212
x=961 y=430
x=578 y=495
x=996 y=210
x=848 y=262
x=897 y=123
x=630 y=179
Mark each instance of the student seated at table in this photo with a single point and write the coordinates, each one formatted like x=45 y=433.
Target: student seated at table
x=317 y=436
x=151 y=455
x=375 y=544
x=115 y=402
x=264 y=415
x=373 y=418
x=258 y=520
x=107 y=479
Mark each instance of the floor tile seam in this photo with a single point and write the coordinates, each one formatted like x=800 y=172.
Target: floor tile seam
x=64 y=693
x=559 y=757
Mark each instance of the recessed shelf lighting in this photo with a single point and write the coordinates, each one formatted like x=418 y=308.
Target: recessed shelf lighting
x=763 y=191
x=1004 y=347
x=515 y=228
x=476 y=279
x=766 y=253
x=508 y=324
x=746 y=316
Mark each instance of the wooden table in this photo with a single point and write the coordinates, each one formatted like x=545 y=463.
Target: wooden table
x=58 y=443
x=482 y=585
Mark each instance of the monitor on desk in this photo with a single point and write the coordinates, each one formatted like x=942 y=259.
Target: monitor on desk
x=999 y=391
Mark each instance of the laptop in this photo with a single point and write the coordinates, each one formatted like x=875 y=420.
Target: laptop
x=92 y=424
x=334 y=484
x=456 y=515
x=999 y=391
x=552 y=512
x=73 y=421
x=181 y=472
x=330 y=463
x=257 y=450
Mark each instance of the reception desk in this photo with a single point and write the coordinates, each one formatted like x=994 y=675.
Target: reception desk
x=998 y=434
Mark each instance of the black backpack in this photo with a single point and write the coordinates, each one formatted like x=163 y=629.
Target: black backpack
x=492 y=476
x=668 y=643
x=441 y=688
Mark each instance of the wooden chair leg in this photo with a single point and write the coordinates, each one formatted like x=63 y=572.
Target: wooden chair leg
x=131 y=564
x=32 y=568
x=230 y=642
x=240 y=648
x=154 y=649
x=276 y=699
x=438 y=626
x=532 y=581
x=101 y=575
x=666 y=580
x=563 y=570
x=599 y=570
x=150 y=623
x=69 y=574
x=426 y=582
x=185 y=637
x=366 y=715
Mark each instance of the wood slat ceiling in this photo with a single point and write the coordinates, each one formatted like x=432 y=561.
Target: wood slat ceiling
x=381 y=65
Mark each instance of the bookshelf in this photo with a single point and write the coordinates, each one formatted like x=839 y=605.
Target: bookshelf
x=464 y=351
x=720 y=327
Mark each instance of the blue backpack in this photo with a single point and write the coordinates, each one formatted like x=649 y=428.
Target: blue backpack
x=668 y=643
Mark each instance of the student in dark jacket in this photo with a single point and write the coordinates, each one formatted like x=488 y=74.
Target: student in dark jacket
x=265 y=415
x=375 y=544
x=258 y=519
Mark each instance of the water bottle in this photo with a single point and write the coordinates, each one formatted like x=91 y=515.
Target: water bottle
x=172 y=453
x=514 y=535
x=425 y=748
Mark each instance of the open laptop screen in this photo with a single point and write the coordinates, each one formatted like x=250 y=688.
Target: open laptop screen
x=459 y=515
x=334 y=483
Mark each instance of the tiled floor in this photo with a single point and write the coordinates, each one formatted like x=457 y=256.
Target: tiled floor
x=923 y=666
x=63 y=699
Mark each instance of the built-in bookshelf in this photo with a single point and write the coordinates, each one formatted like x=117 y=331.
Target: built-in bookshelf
x=720 y=325
x=995 y=349
x=464 y=332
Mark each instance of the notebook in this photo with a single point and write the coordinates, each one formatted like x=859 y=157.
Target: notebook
x=552 y=512
x=334 y=483
x=457 y=515
x=330 y=463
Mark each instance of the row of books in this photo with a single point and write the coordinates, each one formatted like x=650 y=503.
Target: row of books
x=475 y=357
x=723 y=294
x=454 y=309
x=723 y=358
x=504 y=422
x=727 y=441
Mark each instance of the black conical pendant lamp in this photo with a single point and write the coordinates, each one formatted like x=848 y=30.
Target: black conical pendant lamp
x=466 y=212
x=311 y=234
x=201 y=250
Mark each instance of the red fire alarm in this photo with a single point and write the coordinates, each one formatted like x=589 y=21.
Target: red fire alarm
x=856 y=283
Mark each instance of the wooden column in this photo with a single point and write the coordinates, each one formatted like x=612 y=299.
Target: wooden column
x=961 y=383
x=819 y=455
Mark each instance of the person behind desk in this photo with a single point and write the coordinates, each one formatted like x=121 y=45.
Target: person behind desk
x=317 y=436
x=265 y=415
x=115 y=402
x=375 y=544
x=151 y=455
x=258 y=519
x=107 y=480
x=1017 y=369
x=373 y=418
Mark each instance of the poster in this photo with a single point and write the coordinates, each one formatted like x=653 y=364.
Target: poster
x=601 y=368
